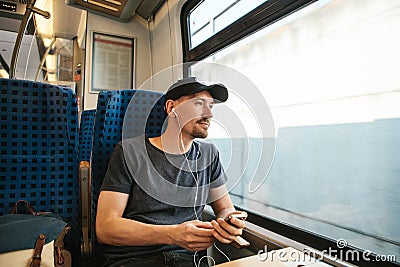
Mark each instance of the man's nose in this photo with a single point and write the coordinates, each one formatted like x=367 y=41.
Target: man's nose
x=207 y=112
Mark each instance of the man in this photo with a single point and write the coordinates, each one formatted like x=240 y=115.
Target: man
x=141 y=220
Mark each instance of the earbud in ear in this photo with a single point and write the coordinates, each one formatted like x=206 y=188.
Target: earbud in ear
x=173 y=111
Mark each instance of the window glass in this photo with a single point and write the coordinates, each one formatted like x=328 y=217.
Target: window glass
x=211 y=16
x=329 y=74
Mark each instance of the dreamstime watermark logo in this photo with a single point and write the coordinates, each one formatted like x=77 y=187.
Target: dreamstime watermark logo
x=341 y=253
x=354 y=255
x=287 y=255
x=341 y=243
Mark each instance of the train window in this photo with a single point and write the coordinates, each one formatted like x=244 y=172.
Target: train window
x=329 y=73
x=209 y=17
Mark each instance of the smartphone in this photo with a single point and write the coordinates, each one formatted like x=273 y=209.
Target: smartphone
x=238 y=242
x=241 y=216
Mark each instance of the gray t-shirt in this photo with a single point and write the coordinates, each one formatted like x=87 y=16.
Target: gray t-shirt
x=162 y=187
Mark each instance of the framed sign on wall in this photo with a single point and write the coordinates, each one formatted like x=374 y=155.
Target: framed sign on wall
x=112 y=62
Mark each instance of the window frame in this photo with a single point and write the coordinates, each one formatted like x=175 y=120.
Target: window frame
x=297 y=237
x=264 y=15
x=312 y=240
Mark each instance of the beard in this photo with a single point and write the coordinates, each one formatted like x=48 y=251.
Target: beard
x=198 y=131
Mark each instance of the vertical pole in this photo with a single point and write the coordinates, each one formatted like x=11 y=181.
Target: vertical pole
x=20 y=35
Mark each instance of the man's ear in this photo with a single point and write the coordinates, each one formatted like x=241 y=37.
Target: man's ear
x=169 y=105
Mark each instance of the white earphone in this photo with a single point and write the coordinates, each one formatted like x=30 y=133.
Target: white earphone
x=173 y=111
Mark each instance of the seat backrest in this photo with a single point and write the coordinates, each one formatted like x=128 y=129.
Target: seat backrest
x=39 y=148
x=138 y=107
x=85 y=134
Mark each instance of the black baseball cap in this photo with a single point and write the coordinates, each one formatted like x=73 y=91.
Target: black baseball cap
x=189 y=86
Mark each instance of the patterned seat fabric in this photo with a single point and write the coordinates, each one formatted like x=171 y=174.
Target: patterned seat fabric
x=39 y=149
x=138 y=107
x=85 y=134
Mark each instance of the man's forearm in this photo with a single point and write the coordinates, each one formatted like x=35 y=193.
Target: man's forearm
x=125 y=232
x=222 y=206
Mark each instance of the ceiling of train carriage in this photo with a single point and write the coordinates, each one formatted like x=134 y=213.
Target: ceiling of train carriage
x=118 y=9
x=63 y=23
x=66 y=18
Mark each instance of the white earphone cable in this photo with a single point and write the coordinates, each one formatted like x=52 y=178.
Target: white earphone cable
x=196 y=195
x=187 y=162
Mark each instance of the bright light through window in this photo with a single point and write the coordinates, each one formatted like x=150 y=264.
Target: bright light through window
x=211 y=16
x=330 y=75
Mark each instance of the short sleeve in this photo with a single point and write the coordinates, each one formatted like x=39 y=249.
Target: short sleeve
x=218 y=177
x=117 y=177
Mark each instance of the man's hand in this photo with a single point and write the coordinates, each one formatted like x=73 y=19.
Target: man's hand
x=193 y=235
x=225 y=231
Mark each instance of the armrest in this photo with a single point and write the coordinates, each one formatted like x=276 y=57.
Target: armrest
x=84 y=181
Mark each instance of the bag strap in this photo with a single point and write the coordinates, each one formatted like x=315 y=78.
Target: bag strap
x=38 y=251
x=59 y=246
x=59 y=241
x=23 y=207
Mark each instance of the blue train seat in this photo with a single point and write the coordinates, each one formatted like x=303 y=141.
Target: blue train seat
x=85 y=134
x=39 y=150
x=112 y=107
